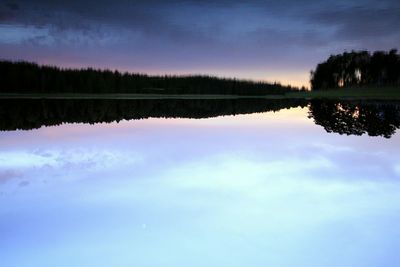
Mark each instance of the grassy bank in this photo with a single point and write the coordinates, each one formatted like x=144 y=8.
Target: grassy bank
x=374 y=93
x=133 y=96
x=384 y=93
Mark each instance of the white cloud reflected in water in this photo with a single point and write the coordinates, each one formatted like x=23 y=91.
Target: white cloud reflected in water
x=69 y=163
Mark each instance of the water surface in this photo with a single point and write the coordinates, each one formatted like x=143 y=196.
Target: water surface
x=295 y=187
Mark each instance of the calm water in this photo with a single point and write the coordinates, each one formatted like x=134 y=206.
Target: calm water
x=261 y=189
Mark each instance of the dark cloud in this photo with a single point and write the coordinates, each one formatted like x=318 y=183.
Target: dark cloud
x=182 y=19
x=23 y=183
x=13 y=6
x=360 y=23
x=5 y=176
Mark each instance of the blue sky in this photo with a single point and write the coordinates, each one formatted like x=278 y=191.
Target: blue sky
x=263 y=40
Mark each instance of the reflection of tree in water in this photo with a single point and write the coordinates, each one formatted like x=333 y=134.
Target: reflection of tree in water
x=32 y=114
x=352 y=118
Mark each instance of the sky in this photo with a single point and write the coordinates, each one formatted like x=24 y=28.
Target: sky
x=261 y=40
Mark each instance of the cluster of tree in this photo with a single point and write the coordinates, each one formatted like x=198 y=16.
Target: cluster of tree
x=357 y=69
x=24 y=77
x=26 y=114
x=356 y=118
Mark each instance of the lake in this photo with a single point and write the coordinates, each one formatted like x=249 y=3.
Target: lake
x=246 y=182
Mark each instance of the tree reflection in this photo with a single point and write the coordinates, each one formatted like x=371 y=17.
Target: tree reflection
x=356 y=118
x=343 y=117
x=32 y=114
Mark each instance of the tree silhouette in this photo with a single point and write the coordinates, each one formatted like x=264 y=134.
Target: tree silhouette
x=357 y=69
x=23 y=77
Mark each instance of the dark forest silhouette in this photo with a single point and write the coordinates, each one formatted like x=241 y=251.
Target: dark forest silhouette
x=28 y=114
x=356 y=118
x=24 y=77
x=357 y=69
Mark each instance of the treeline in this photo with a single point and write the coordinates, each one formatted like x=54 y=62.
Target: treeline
x=26 y=114
x=24 y=77
x=358 y=69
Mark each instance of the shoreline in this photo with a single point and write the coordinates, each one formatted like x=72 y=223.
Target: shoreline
x=303 y=96
x=132 y=96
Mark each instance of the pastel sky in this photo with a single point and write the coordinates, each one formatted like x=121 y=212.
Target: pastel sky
x=262 y=40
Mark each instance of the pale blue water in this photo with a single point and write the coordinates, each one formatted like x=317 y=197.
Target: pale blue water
x=270 y=189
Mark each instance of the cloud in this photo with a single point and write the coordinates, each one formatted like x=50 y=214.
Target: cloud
x=8 y=175
x=361 y=22
x=237 y=174
x=16 y=34
x=66 y=159
x=193 y=21
x=397 y=169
